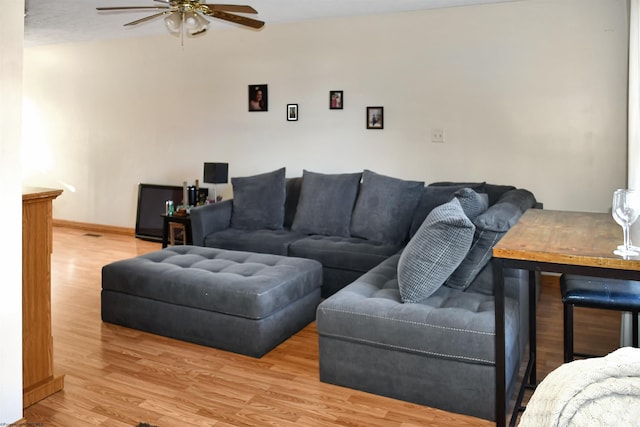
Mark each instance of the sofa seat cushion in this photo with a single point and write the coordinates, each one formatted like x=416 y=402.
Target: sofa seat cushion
x=345 y=253
x=242 y=284
x=450 y=324
x=262 y=241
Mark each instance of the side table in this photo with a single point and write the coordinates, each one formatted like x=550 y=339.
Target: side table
x=177 y=219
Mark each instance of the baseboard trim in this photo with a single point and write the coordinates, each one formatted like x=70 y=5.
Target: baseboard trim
x=96 y=228
x=21 y=422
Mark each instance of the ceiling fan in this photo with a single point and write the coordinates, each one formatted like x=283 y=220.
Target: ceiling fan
x=187 y=15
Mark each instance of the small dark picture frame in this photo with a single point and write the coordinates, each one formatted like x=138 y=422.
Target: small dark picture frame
x=258 y=98
x=336 y=100
x=292 y=112
x=375 y=117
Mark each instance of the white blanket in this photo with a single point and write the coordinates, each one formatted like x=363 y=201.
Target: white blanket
x=602 y=391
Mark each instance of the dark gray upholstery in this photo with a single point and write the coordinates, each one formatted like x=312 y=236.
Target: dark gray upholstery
x=439 y=352
x=491 y=225
x=347 y=255
x=494 y=191
x=259 y=201
x=263 y=241
x=343 y=258
x=293 y=186
x=350 y=253
x=436 y=352
x=238 y=301
x=433 y=196
x=326 y=202
x=209 y=219
x=384 y=208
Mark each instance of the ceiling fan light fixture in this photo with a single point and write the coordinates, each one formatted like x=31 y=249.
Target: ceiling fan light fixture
x=197 y=33
x=195 y=23
x=193 y=20
x=173 y=22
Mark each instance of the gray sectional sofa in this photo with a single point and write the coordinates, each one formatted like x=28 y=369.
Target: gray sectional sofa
x=408 y=308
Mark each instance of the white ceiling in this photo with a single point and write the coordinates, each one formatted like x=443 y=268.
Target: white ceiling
x=63 y=21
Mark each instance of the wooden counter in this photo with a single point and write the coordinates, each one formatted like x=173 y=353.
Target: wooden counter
x=38 y=377
x=571 y=238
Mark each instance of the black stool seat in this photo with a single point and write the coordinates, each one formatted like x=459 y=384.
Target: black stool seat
x=596 y=292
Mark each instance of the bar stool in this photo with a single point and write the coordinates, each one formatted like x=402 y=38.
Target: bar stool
x=595 y=292
x=177 y=227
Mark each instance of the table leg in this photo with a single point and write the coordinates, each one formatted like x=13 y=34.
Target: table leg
x=532 y=328
x=187 y=230
x=500 y=359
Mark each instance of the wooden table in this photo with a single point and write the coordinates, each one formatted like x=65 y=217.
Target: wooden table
x=185 y=220
x=552 y=241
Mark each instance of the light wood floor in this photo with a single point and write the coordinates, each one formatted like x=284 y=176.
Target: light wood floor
x=119 y=377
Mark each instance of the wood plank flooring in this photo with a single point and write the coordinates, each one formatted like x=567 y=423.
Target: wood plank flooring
x=119 y=377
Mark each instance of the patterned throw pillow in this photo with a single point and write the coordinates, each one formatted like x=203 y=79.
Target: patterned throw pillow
x=473 y=204
x=436 y=250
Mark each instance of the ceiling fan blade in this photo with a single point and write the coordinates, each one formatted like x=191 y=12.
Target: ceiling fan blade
x=148 y=18
x=230 y=8
x=132 y=8
x=249 y=22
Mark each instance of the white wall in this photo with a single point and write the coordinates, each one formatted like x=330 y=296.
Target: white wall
x=529 y=93
x=11 y=30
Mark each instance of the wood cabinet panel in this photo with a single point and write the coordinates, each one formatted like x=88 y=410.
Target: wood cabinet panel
x=39 y=379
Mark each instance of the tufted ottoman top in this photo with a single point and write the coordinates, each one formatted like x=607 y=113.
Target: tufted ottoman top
x=243 y=284
x=449 y=324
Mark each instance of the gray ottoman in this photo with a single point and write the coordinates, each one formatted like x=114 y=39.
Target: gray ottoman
x=237 y=301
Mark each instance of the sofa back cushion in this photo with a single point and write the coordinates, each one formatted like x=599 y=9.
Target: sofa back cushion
x=436 y=250
x=436 y=195
x=326 y=203
x=258 y=201
x=384 y=208
x=494 y=191
x=490 y=227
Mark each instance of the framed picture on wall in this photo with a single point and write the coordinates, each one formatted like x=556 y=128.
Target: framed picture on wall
x=336 y=99
x=258 y=98
x=292 y=112
x=375 y=117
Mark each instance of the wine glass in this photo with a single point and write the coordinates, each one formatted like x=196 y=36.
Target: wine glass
x=625 y=209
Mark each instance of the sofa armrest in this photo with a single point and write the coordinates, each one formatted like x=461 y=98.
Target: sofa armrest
x=207 y=219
